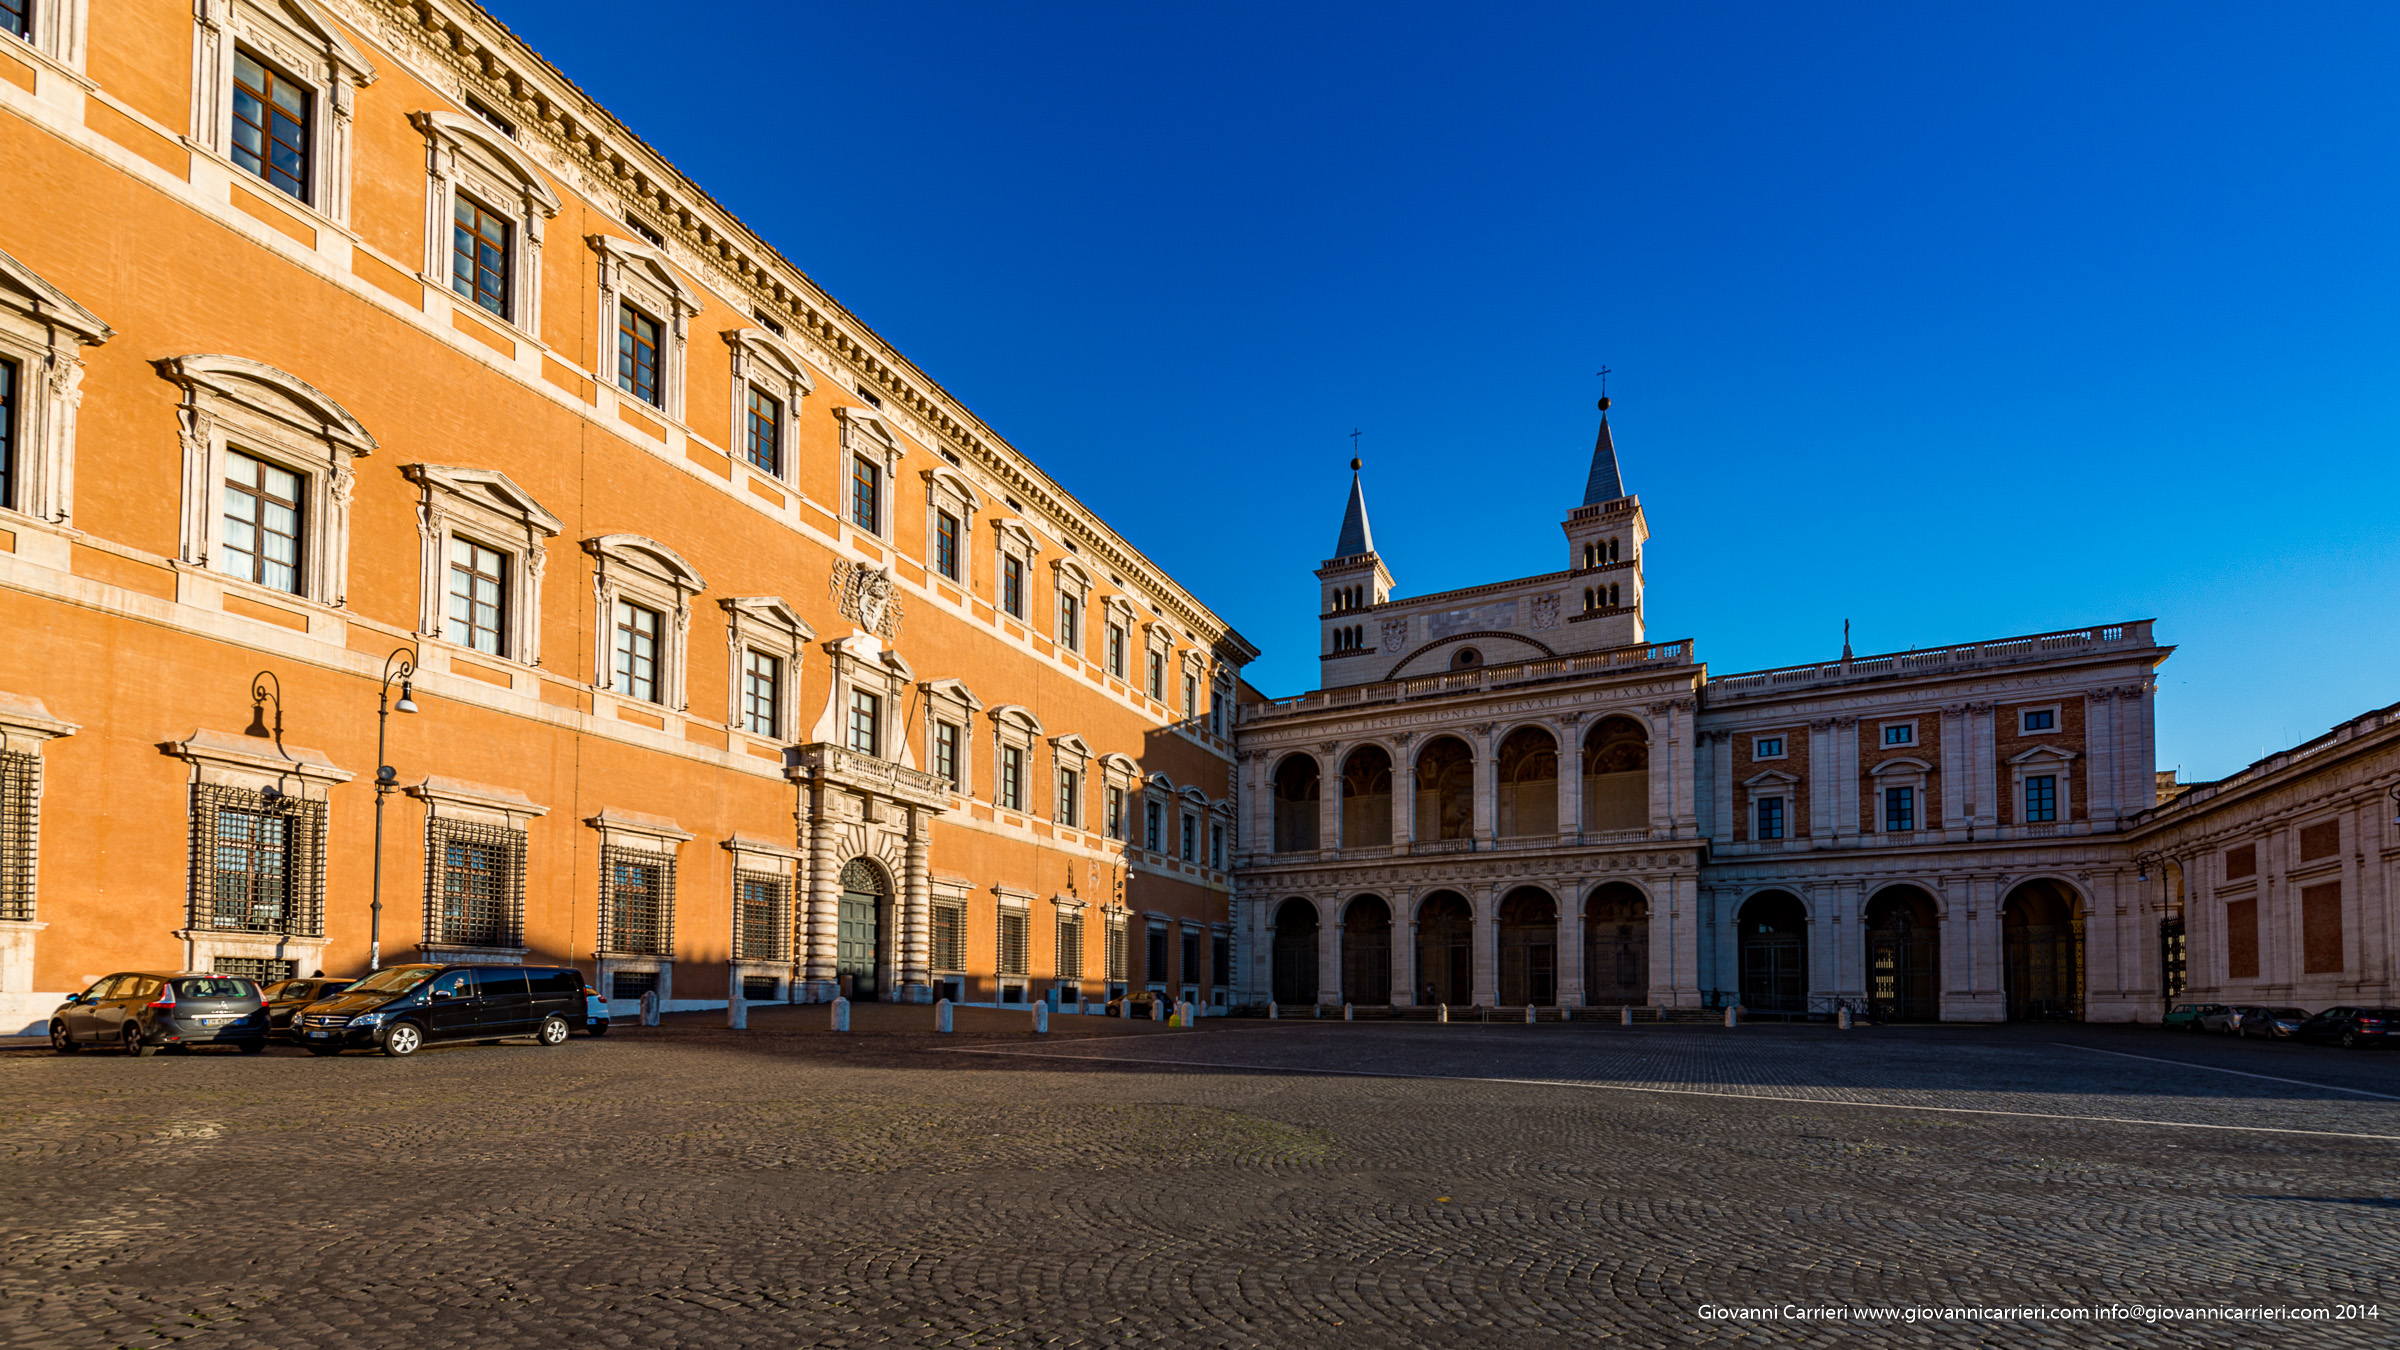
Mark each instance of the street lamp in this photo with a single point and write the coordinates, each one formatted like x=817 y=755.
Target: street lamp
x=265 y=688
x=401 y=665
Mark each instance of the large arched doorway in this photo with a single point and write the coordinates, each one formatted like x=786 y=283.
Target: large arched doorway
x=1528 y=948
x=1445 y=949
x=1616 y=947
x=1616 y=776
x=2041 y=952
x=858 y=948
x=1296 y=789
x=1904 y=955
x=1445 y=789
x=1296 y=952
x=1367 y=951
x=1528 y=783
x=1773 y=947
x=1367 y=798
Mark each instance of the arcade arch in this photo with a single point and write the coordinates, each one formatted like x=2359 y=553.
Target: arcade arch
x=1296 y=789
x=1527 y=783
x=1445 y=949
x=1295 y=952
x=1445 y=789
x=1616 y=947
x=1528 y=948
x=1773 y=948
x=1616 y=775
x=2041 y=952
x=1367 y=798
x=1367 y=951
x=1904 y=955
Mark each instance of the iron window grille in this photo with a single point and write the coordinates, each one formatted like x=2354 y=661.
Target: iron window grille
x=949 y=937
x=262 y=969
x=637 y=903
x=1070 y=947
x=632 y=983
x=1116 y=949
x=1012 y=941
x=258 y=866
x=762 y=906
x=761 y=988
x=20 y=829
x=474 y=884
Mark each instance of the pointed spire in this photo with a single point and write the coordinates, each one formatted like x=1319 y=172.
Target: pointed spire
x=1604 y=484
x=1356 y=537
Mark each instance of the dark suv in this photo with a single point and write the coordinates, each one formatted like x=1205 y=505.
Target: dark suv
x=401 y=1008
x=285 y=1000
x=141 y=1011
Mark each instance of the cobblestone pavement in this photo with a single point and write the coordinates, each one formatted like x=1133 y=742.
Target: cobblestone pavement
x=1242 y=1184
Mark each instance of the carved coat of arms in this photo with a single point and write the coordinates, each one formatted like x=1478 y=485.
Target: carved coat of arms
x=868 y=597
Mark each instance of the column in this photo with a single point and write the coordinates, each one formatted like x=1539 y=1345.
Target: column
x=1684 y=801
x=1487 y=951
x=1329 y=950
x=1487 y=814
x=1329 y=797
x=1720 y=754
x=1570 y=944
x=2100 y=769
x=1570 y=779
x=1404 y=951
x=1984 y=786
x=1824 y=779
x=916 y=928
x=1404 y=797
x=1957 y=780
x=824 y=894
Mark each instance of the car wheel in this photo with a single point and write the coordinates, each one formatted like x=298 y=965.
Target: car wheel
x=254 y=1047
x=2349 y=1040
x=61 y=1041
x=324 y=1049
x=402 y=1039
x=553 y=1030
x=134 y=1046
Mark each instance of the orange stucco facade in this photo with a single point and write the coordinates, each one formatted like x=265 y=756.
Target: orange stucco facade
x=142 y=252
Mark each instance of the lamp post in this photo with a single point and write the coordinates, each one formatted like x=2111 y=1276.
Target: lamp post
x=401 y=665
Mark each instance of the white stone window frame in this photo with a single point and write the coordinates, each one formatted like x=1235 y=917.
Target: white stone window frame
x=1014 y=727
x=302 y=41
x=1883 y=732
x=1158 y=791
x=859 y=663
x=1774 y=783
x=768 y=624
x=1194 y=808
x=1220 y=703
x=1117 y=612
x=950 y=702
x=752 y=854
x=640 y=276
x=1118 y=771
x=228 y=759
x=1195 y=679
x=769 y=364
x=1065 y=909
x=43 y=331
x=1158 y=640
x=26 y=728
x=1070 y=754
x=1070 y=585
x=866 y=435
x=232 y=403
x=2058 y=719
x=946 y=489
x=1903 y=772
x=469 y=155
x=479 y=804
x=637 y=832
x=61 y=29
x=489 y=508
x=1013 y=540
x=1783 y=746
x=646 y=572
x=1009 y=900
x=2052 y=760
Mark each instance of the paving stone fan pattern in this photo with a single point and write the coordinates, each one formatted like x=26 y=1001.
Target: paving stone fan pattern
x=1239 y=1185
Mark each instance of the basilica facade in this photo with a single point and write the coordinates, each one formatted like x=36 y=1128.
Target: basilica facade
x=1512 y=794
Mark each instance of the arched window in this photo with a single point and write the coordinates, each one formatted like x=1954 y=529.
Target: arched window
x=1528 y=783
x=1445 y=789
x=1612 y=550
x=1466 y=658
x=1296 y=790
x=1588 y=601
x=1616 y=776
x=1612 y=597
x=1367 y=798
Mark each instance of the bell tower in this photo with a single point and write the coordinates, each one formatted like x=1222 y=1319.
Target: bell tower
x=1352 y=582
x=1605 y=537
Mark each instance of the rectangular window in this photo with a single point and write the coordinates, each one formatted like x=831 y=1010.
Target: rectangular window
x=1216 y=714
x=761 y=900
x=1190 y=839
x=1116 y=650
x=764 y=443
x=2040 y=719
x=637 y=651
x=2241 y=939
x=762 y=694
x=945 y=755
x=478 y=882
x=1116 y=949
x=20 y=819
x=1116 y=812
x=1158 y=676
x=1070 y=623
x=1899 y=735
x=1191 y=697
x=945 y=544
x=638 y=899
x=2321 y=929
x=1767 y=747
x=1770 y=817
x=270 y=124
x=1012 y=777
x=262 y=523
x=1191 y=957
x=1012 y=586
x=1155 y=969
x=1154 y=824
x=8 y=429
x=949 y=937
x=637 y=356
x=253 y=876
x=1070 y=798
x=261 y=862
x=1899 y=809
x=478 y=594
x=866 y=494
x=1070 y=947
x=2041 y=799
x=1220 y=960
x=2321 y=840
x=1216 y=847
x=480 y=255
x=2241 y=862
x=15 y=17
x=866 y=722
x=1012 y=941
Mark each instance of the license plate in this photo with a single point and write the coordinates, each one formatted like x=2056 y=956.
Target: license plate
x=316 y=1033
x=214 y=1021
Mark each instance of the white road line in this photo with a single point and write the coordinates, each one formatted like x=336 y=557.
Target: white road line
x=2238 y=1073
x=1675 y=1092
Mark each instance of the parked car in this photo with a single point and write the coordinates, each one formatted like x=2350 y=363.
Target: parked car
x=285 y=1000
x=595 y=1011
x=142 y=1011
x=1141 y=999
x=2185 y=1016
x=2222 y=1018
x=2353 y=1028
x=2272 y=1023
x=400 y=1009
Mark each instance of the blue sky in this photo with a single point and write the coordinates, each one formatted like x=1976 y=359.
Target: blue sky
x=1957 y=322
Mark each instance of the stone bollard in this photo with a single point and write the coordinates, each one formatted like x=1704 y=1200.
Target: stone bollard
x=1441 y=1013
x=1733 y=1016
x=1316 y=1010
x=941 y=1017
x=1529 y=1018
x=650 y=1008
x=1566 y=1013
x=1273 y=1015
x=1841 y=1018
x=1041 y=1018
x=1125 y=1008
x=1625 y=1016
x=737 y=1009
x=1158 y=1010
x=1346 y=1014
x=841 y=1014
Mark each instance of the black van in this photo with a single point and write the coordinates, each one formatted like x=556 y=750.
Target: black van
x=400 y=1008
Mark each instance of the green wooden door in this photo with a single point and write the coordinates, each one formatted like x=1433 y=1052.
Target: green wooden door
x=854 y=944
